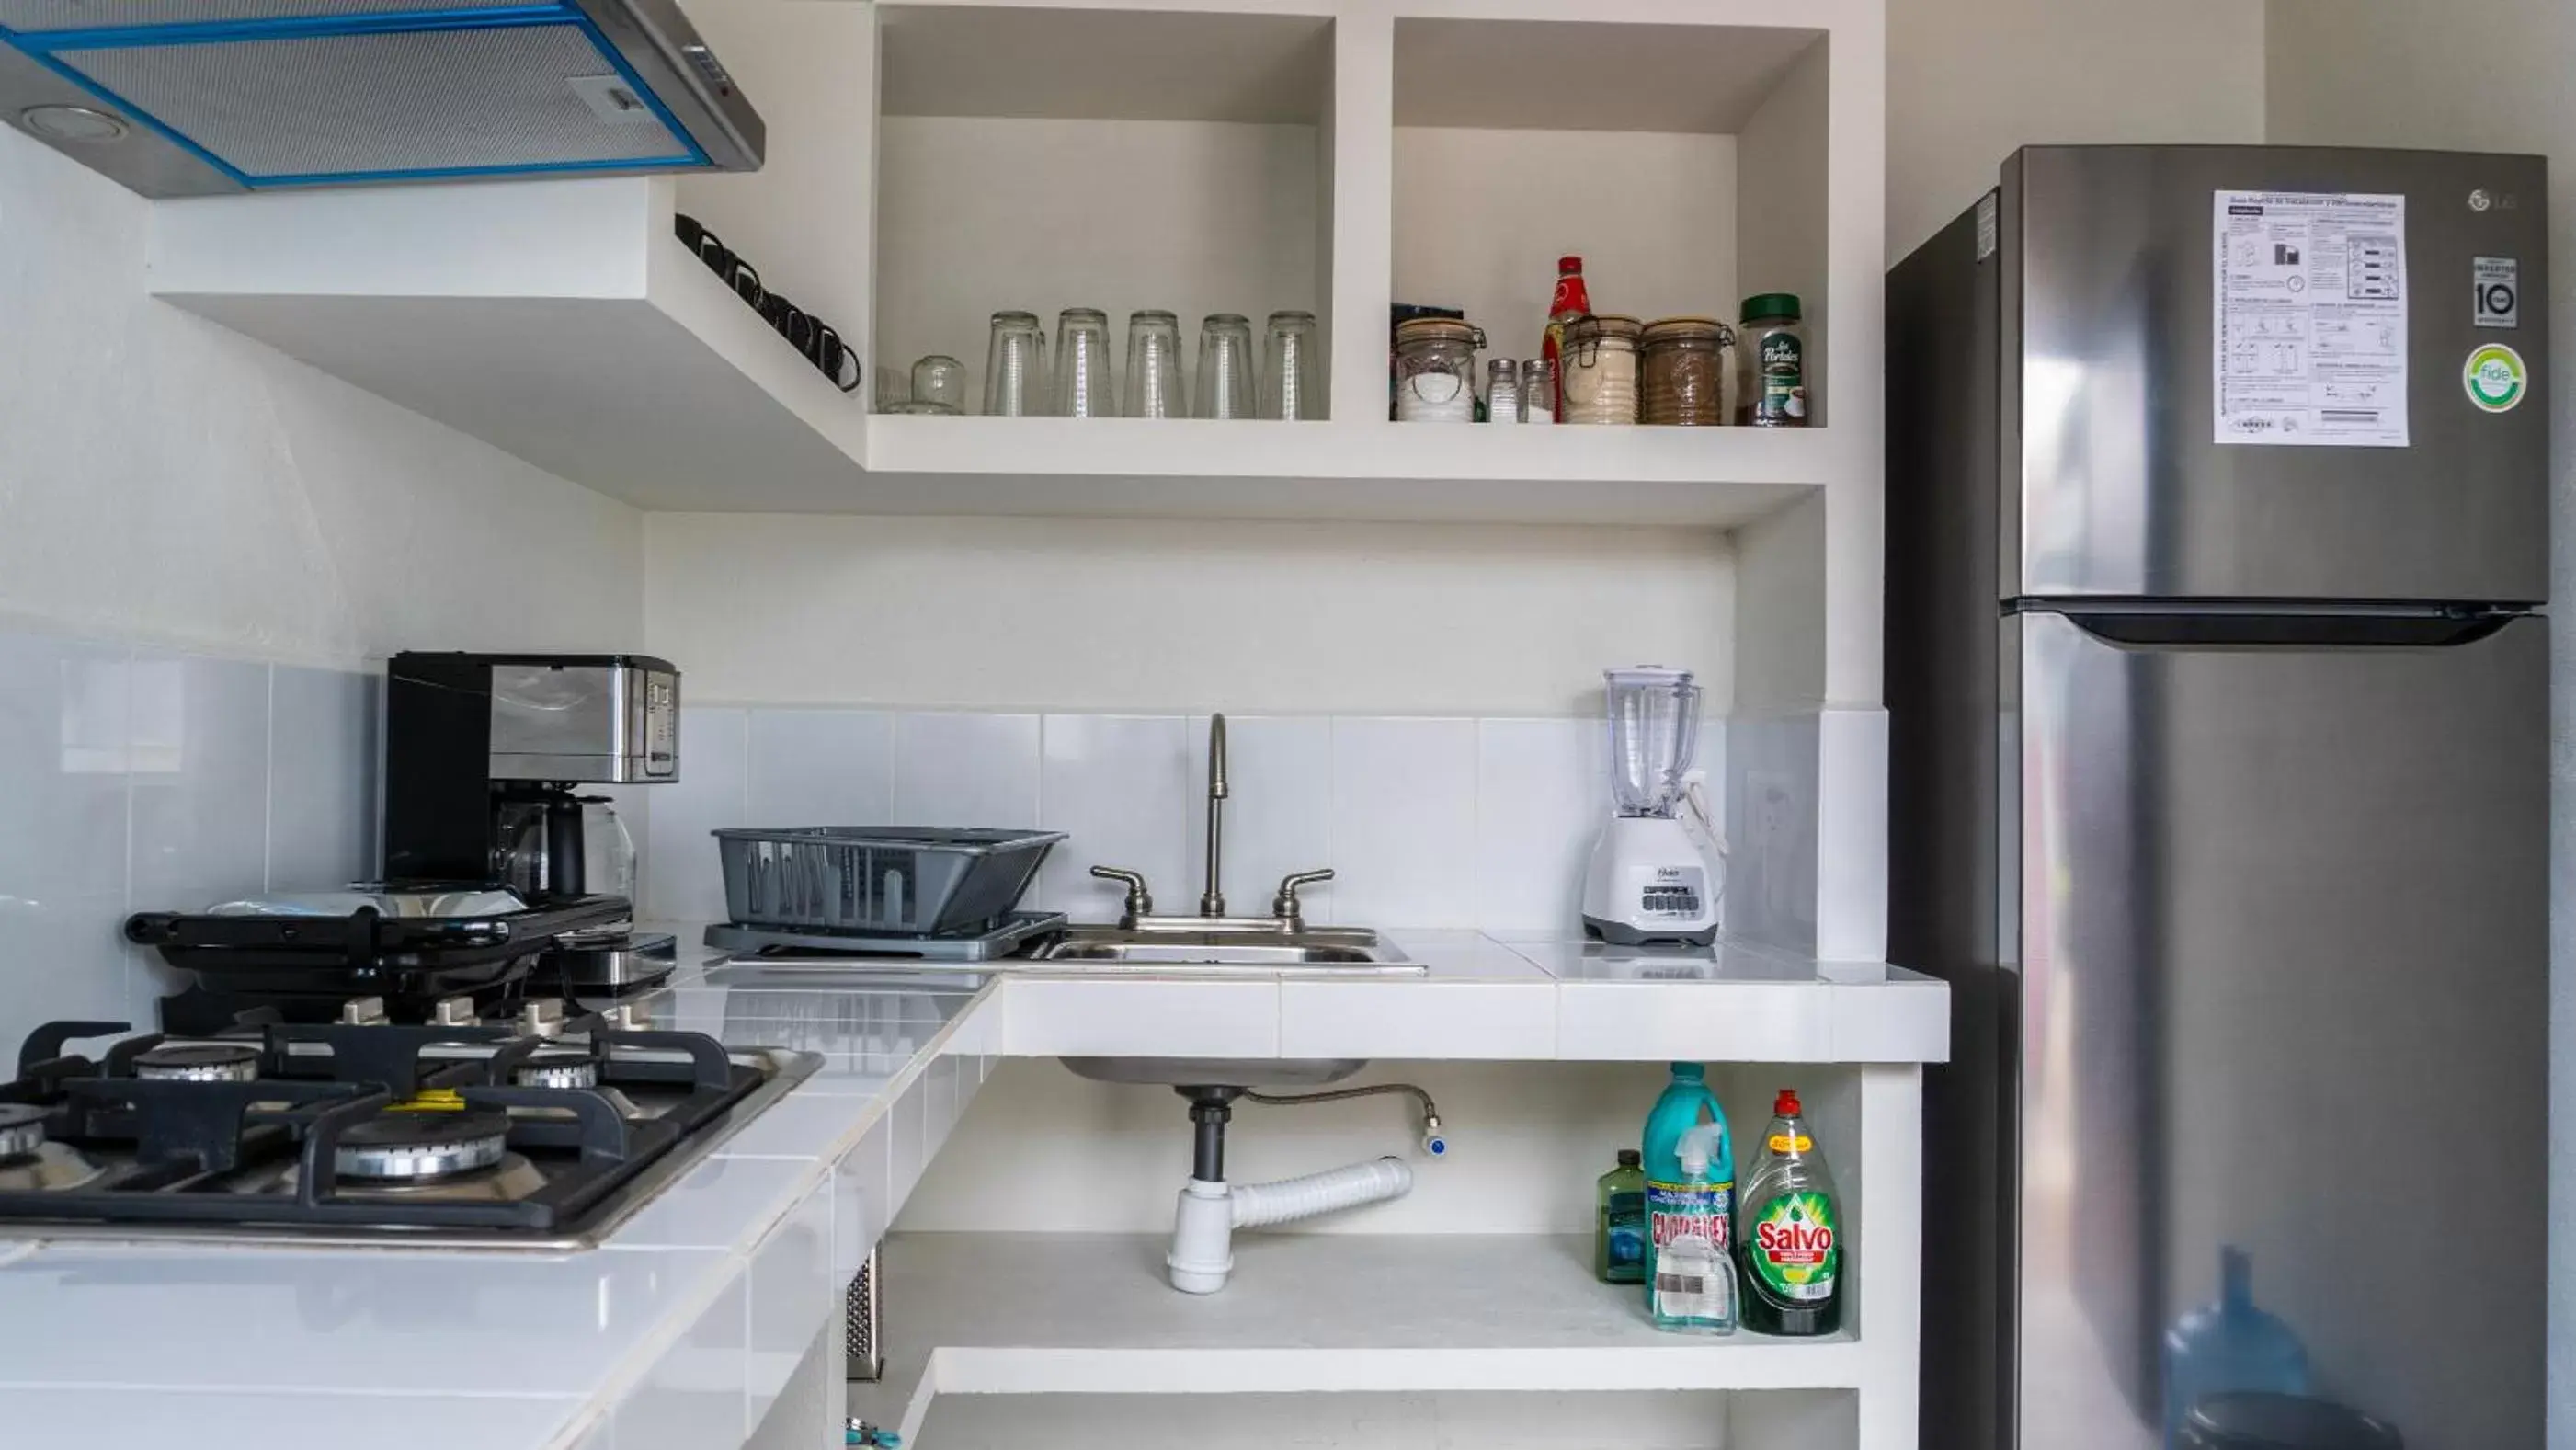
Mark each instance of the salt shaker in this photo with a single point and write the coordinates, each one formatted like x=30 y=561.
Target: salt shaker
x=1502 y=391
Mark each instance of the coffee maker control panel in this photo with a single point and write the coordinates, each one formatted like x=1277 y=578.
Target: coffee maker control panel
x=614 y=722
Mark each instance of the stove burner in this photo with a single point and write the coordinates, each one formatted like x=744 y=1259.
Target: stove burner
x=402 y=1146
x=199 y=1062
x=22 y=1129
x=558 y=1067
x=31 y=1164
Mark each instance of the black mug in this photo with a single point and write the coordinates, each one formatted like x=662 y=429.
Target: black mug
x=738 y=274
x=828 y=353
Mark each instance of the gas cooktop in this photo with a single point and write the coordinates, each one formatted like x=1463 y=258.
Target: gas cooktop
x=544 y=1133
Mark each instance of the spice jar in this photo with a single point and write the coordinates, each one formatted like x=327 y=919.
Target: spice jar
x=1598 y=370
x=1503 y=390
x=1538 y=390
x=1775 y=352
x=1435 y=370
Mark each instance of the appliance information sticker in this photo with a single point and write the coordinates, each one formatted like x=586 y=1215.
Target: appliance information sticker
x=2310 y=332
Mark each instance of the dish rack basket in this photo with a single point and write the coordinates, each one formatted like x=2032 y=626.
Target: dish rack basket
x=879 y=880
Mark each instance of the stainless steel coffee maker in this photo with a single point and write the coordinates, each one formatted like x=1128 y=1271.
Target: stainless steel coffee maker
x=485 y=758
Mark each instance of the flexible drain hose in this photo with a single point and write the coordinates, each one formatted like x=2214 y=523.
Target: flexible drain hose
x=1202 y=1256
x=1290 y=1199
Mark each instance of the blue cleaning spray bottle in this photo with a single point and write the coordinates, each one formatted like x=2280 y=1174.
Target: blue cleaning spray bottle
x=1690 y=1195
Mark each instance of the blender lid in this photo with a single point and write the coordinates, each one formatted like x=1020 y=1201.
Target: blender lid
x=1646 y=677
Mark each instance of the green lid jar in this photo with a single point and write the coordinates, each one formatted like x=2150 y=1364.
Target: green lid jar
x=1775 y=359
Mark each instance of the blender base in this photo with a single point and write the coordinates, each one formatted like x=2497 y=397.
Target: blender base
x=1622 y=934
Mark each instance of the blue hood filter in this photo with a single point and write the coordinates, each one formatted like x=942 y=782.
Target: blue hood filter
x=229 y=95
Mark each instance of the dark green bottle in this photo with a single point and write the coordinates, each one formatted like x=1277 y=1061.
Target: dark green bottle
x=1619 y=1227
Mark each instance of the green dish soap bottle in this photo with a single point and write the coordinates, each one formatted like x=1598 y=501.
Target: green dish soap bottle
x=1789 y=1237
x=1673 y=1202
x=1619 y=1223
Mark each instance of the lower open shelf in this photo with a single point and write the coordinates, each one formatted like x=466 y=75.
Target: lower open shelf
x=1086 y=1314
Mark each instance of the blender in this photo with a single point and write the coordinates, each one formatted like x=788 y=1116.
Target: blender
x=1649 y=881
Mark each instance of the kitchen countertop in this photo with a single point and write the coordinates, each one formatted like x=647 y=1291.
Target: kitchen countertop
x=682 y=1330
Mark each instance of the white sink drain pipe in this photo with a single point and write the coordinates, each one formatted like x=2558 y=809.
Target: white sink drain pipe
x=1203 y=1229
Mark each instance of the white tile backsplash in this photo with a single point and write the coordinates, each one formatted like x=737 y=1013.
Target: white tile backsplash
x=963 y=769
x=1279 y=817
x=322 y=751
x=821 y=768
x=1450 y=823
x=1404 y=821
x=682 y=880
x=1542 y=792
x=63 y=714
x=198 y=758
x=1119 y=786
x=146 y=780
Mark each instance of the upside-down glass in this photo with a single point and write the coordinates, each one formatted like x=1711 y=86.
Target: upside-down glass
x=1154 y=387
x=1082 y=385
x=1288 y=386
x=1015 y=367
x=1225 y=366
x=940 y=381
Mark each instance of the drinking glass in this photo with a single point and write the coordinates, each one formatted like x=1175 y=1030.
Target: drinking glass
x=940 y=381
x=1154 y=388
x=1225 y=366
x=1288 y=386
x=1082 y=384
x=1015 y=367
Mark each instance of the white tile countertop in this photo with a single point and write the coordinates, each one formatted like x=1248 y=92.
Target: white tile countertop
x=683 y=1329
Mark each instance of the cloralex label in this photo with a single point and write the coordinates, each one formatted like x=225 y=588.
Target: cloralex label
x=1674 y=1209
x=1797 y=1248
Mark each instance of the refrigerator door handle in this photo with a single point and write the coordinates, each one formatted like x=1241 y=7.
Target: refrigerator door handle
x=2193 y=630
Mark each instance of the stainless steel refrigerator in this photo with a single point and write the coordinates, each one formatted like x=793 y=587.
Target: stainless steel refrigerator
x=2217 y=541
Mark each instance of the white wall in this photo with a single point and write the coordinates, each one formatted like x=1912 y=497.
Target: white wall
x=1107 y=614
x=188 y=521
x=1970 y=81
x=2480 y=75
x=165 y=478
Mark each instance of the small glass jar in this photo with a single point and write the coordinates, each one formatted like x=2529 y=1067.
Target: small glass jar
x=1688 y=369
x=1503 y=391
x=1538 y=391
x=1599 y=362
x=1435 y=370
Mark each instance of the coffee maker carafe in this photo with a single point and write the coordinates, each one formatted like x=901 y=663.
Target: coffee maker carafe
x=485 y=758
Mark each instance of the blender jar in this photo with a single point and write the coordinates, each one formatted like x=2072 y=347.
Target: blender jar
x=1654 y=725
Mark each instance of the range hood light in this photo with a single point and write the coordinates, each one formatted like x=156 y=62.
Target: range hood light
x=73 y=123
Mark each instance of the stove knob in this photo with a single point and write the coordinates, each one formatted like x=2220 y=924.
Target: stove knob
x=22 y=1129
x=363 y=1012
x=452 y=1012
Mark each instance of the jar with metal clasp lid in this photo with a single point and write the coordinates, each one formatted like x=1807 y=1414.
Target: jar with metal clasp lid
x=1597 y=371
x=1435 y=370
x=1689 y=367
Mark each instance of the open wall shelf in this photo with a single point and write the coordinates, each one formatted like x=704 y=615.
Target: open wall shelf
x=931 y=163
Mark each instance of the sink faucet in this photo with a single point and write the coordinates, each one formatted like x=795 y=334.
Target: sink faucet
x=1287 y=914
x=1212 y=900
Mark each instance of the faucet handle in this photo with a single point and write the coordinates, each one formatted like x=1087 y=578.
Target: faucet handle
x=1140 y=902
x=1285 y=905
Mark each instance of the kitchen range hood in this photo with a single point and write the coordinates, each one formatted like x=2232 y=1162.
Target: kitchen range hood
x=206 y=97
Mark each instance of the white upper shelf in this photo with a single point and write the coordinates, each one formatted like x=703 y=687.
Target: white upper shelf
x=562 y=322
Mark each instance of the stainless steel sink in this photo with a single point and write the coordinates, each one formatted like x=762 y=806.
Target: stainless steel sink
x=1216 y=1072
x=1319 y=948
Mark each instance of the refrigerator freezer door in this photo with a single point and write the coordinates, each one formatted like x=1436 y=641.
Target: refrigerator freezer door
x=2119 y=488
x=2283 y=960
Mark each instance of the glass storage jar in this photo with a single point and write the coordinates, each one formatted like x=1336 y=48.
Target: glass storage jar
x=1689 y=367
x=1597 y=370
x=1435 y=370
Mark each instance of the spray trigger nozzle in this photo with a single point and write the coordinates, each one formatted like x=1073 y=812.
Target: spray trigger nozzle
x=1699 y=1147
